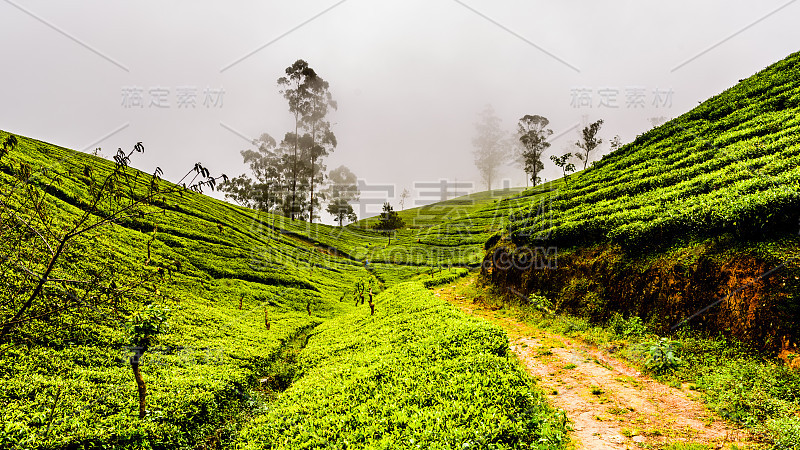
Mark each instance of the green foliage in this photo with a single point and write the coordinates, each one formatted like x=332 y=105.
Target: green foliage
x=633 y=327
x=389 y=220
x=448 y=276
x=750 y=392
x=9 y=143
x=455 y=208
x=540 y=303
x=147 y=324
x=661 y=355
x=72 y=386
x=589 y=141
x=562 y=162
x=341 y=210
x=783 y=432
x=686 y=446
x=76 y=389
x=533 y=134
x=729 y=165
x=417 y=374
x=342 y=190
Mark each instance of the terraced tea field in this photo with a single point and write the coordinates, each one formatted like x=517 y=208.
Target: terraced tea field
x=277 y=333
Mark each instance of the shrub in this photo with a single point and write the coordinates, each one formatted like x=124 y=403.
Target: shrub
x=661 y=355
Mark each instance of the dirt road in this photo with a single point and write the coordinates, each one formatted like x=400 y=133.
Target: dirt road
x=611 y=405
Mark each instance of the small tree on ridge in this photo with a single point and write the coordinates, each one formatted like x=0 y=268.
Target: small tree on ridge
x=389 y=221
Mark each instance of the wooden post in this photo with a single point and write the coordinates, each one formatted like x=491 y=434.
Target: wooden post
x=266 y=318
x=240 y=302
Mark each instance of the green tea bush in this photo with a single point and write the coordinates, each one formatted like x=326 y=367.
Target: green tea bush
x=693 y=176
x=74 y=388
x=418 y=374
x=783 y=432
x=445 y=277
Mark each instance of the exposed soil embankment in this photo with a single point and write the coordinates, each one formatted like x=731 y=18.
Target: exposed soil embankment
x=709 y=285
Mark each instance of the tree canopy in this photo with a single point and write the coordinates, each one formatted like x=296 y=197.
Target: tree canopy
x=285 y=176
x=389 y=221
x=533 y=134
x=342 y=190
x=489 y=149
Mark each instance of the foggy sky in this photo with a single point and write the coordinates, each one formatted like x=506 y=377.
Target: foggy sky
x=410 y=77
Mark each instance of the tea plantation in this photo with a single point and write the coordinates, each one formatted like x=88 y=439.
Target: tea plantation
x=729 y=165
x=283 y=334
x=225 y=272
x=417 y=374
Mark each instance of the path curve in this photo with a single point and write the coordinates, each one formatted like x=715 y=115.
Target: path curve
x=610 y=403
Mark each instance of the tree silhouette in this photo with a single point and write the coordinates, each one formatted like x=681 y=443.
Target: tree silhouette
x=533 y=134
x=309 y=102
x=342 y=190
x=267 y=166
x=589 y=141
x=489 y=153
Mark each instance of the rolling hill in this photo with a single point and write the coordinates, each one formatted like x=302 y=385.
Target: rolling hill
x=696 y=219
x=245 y=293
x=272 y=341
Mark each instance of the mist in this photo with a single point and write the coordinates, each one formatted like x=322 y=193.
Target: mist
x=410 y=78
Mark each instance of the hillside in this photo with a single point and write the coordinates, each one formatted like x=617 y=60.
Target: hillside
x=222 y=272
x=284 y=334
x=697 y=218
x=454 y=231
x=437 y=212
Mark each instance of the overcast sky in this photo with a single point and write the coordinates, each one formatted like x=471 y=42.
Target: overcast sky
x=410 y=77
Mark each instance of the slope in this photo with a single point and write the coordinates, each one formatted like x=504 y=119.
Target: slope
x=437 y=212
x=226 y=268
x=696 y=219
x=245 y=292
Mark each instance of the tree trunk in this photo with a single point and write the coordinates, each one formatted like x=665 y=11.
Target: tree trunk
x=311 y=203
x=37 y=290
x=294 y=168
x=313 y=144
x=140 y=386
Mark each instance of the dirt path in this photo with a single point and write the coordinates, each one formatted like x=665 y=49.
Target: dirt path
x=611 y=405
